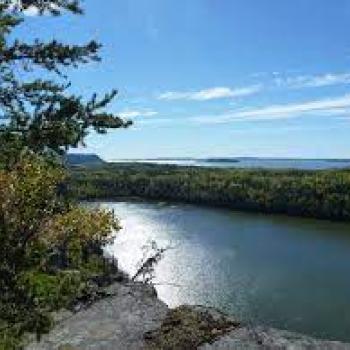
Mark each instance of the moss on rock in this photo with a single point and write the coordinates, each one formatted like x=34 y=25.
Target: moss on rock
x=188 y=327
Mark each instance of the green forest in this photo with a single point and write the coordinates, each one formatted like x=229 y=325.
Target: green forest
x=318 y=194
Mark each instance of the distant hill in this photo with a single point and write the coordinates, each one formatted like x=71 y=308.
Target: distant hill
x=85 y=160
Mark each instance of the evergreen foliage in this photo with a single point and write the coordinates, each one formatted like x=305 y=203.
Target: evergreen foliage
x=41 y=113
x=50 y=248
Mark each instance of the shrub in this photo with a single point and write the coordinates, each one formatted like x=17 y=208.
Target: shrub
x=47 y=244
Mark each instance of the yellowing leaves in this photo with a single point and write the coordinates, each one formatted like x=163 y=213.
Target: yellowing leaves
x=81 y=224
x=37 y=221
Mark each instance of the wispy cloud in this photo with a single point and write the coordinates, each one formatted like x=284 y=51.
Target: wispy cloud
x=210 y=94
x=305 y=81
x=324 y=107
x=156 y=121
x=129 y=114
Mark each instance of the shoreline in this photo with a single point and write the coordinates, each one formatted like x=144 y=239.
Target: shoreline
x=321 y=195
x=139 y=199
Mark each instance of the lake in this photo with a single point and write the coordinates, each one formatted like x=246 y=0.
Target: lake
x=250 y=163
x=288 y=273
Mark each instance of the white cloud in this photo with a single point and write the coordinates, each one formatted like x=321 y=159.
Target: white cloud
x=324 y=107
x=305 y=81
x=128 y=114
x=210 y=94
x=156 y=121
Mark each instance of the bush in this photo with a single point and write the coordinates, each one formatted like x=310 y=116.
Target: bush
x=49 y=247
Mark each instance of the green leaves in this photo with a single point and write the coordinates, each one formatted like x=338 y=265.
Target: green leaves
x=47 y=244
x=43 y=113
x=51 y=56
x=53 y=290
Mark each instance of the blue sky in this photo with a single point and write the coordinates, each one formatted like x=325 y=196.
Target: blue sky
x=217 y=77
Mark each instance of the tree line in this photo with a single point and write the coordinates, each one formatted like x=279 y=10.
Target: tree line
x=318 y=194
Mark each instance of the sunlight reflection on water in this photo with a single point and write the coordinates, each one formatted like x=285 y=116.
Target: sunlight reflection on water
x=283 y=272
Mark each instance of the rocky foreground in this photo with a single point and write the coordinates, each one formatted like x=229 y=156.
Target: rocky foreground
x=131 y=317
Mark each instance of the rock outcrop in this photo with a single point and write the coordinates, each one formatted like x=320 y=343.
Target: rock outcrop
x=133 y=318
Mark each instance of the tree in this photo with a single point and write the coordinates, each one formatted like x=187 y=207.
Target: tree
x=41 y=113
x=43 y=244
x=49 y=246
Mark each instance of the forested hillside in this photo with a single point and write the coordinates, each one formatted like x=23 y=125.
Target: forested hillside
x=319 y=194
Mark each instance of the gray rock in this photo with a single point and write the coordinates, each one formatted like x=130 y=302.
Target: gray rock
x=268 y=338
x=120 y=322
x=114 y=323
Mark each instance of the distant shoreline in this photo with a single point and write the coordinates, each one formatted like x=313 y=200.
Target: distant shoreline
x=93 y=160
x=245 y=163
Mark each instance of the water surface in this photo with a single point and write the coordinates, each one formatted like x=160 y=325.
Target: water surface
x=283 y=272
x=252 y=163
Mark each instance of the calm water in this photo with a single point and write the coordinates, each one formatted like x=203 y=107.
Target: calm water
x=284 y=272
x=264 y=163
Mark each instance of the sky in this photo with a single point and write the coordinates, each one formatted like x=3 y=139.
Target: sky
x=216 y=78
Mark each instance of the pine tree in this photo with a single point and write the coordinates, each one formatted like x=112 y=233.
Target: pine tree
x=42 y=114
x=48 y=244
